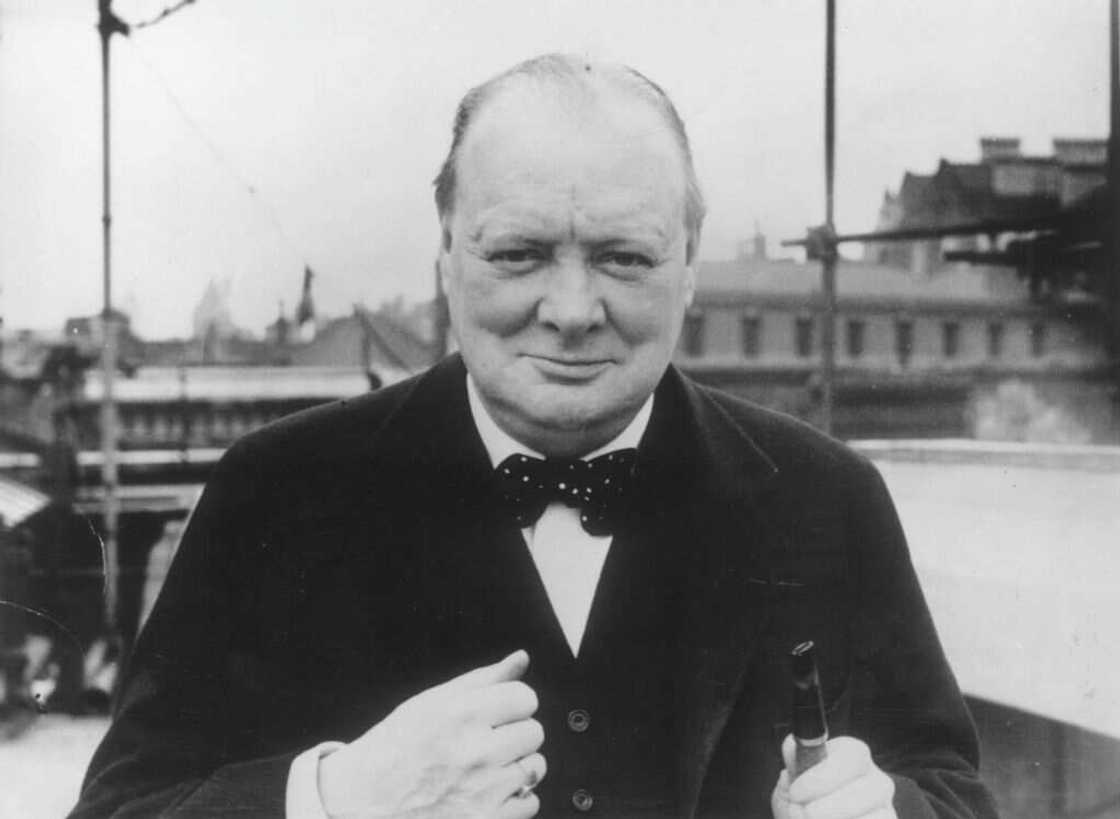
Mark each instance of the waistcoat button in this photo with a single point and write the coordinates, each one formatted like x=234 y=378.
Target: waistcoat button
x=579 y=720
x=582 y=800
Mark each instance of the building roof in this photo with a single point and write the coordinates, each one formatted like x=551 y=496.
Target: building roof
x=1031 y=206
x=965 y=192
x=854 y=280
x=23 y=356
x=233 y=383
x=913 y=189
x=972 y=177
x=400 y=345
x=1022 y=537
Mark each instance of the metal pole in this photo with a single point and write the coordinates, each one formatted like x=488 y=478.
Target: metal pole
x=828 y=262
x=1112 y=257
x=107 y=25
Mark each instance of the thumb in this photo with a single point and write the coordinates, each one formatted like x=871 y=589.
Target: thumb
x=780 y=805
x=789 y=752
x=508 y=669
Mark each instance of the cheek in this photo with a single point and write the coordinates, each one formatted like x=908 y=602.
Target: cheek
x=499 y=307
x=651 y=315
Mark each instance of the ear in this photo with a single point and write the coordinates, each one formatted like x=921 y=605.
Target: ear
x=445 y=234
x=692 y=266
x=690 y=282
x=443 y=270
x=443 y=260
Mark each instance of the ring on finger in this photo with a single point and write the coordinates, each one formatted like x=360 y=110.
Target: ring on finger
x=530 y=782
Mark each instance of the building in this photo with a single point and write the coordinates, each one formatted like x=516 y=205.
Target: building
x=917 y=355
x=997 y=333
x=385 y=342
x=1004 y=185
x=86 y=334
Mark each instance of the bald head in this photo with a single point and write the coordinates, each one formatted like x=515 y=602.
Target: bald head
x=581 y=88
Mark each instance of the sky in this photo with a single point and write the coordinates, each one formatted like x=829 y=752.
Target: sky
x=254 y=137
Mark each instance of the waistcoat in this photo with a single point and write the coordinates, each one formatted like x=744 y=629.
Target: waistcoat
x=608 y=713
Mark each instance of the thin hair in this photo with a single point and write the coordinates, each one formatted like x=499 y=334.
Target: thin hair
x=576 y=72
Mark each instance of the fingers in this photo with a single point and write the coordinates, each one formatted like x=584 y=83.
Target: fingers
x=789 y=751
x=514 y=741
x=522 y=807
x=846 y=785
x=779 y=799
x=505 y=702
x=527 y=772
x=848 y=759
x=507 y=669
x=860 y=798
x=472 y=699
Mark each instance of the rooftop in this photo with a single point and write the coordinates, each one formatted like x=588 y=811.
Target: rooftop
x=233 y=383
x=854 y=279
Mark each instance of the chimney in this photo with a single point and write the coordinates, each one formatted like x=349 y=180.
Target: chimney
x=759 y=245
x=996 y=148
x=1081 y=151
x=753 y=248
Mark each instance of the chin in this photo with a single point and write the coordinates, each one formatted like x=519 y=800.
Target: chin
x=565 y=416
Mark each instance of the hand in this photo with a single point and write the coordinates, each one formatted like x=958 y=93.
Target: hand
x=846 y=785
x=461 y=749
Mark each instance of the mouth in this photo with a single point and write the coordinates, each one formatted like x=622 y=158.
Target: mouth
x=569 y=369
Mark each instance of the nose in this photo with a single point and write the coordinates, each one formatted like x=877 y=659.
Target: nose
x=571 y=304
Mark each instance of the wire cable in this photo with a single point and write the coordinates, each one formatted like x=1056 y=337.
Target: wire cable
x=218 y=155
x=163 y=15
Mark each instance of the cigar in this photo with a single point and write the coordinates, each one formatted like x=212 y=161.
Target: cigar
x=810 y=730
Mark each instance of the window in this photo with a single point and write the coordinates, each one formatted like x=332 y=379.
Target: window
x=138 y=424
x=751 y=335
x=950 y=339
x=1038 y=339
x=855 y=338
x=694 y=333
x=803 y=336
x=995 y=340
x=904 y=340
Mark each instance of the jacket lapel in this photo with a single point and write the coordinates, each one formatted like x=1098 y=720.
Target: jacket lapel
x=478 y=576
x=708 y=476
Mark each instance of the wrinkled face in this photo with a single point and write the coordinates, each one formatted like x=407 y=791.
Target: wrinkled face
x=564 y=262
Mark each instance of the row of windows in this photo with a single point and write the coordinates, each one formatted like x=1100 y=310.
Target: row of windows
x=173 y=425
x=855 y=331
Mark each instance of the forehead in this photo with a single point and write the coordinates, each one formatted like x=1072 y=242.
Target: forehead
x=602 y=153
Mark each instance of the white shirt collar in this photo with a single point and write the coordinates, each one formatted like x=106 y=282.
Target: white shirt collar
x=500 y=445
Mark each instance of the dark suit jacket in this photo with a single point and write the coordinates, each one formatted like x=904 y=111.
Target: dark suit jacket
x=345 y=558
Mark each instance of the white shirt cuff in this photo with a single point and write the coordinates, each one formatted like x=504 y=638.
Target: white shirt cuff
x=301 y=797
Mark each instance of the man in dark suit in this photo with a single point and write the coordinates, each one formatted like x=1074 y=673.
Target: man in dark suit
x=551 y=575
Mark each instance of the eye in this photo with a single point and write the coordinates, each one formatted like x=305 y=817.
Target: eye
x=516 y=259
x=624 y=260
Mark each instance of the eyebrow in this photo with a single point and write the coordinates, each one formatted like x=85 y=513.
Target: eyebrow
x=620 y=232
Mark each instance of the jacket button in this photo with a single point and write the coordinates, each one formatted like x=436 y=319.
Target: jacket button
x=582 y=800
x=579 y=720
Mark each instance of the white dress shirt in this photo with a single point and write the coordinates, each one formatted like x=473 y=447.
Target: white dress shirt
x=568 y=560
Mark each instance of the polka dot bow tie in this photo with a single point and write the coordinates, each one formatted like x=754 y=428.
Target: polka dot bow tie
x=599 y=488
